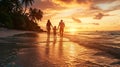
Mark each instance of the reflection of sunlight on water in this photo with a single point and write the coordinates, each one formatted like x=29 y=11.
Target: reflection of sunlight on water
x=73 y=49
x=72 y=30
x=59 y=51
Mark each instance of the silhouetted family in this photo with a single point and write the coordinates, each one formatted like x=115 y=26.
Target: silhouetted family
x=60 y=27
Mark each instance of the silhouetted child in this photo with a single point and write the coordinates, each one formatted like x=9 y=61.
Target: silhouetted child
x=54 y=30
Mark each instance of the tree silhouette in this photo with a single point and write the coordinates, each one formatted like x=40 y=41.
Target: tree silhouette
x=12 y=15
x=27 y=3
x=10 y=6
x=39 y=15
x=35 y=14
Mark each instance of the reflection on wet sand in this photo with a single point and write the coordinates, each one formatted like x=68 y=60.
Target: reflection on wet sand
x=8 y=55
x=50 y=52
x=60 y=48
x=54 y=40
x=47 y=48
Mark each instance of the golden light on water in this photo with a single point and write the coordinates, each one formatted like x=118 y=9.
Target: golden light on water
x=72 y=30
x=59 y=50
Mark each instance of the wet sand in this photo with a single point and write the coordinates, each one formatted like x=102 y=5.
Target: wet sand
x=39 y=50
x=4 y=32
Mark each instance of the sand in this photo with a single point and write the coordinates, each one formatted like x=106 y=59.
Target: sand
x=4 y=32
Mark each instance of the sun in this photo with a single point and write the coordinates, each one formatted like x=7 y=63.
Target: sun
x=72 y=30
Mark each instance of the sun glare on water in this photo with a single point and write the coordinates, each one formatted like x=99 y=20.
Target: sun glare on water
x=72 y=30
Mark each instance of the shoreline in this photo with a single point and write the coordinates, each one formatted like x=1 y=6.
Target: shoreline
x=4 y=32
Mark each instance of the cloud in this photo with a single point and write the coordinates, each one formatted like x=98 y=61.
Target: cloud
x=64 y=1
x=75 y=8
x=95 y=1
x=84 y=1
x=47 y=4
x=77 y=20
x=56 y=4
x=73 y=3
x=103 y=1
x=95 y=23
x=100 y=16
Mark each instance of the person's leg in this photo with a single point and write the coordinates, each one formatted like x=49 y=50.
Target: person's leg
x=48 y=32
x=60 y=32
x=54 y=33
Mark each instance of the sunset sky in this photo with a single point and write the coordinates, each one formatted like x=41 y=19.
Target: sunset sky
x=82 y=15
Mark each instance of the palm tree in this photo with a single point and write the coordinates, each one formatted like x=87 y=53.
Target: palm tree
x=18 y=5
x=39 y=15
x=27 y=3
x=32 y=13
x=10 y=6
x=35 y=14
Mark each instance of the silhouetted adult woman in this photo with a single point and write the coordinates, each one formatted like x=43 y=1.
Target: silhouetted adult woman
x=48 y=27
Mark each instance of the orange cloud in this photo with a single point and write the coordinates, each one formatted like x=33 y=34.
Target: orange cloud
x=76 y=20
x=86 y=2
x=75 y=8
x=62 y=4
x=100 y=15
x=65 y=1
x=103 y=1
x=73 y=3
x=46 y=4
x=95 y=23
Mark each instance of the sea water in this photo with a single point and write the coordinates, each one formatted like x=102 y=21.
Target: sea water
x=111 y=38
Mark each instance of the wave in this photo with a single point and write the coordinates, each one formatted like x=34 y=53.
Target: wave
x=108 y=41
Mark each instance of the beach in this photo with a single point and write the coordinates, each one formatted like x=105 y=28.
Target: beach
x=4 y=32
x=33 y=49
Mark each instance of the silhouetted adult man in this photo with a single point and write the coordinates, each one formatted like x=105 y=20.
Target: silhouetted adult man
x=61 y=27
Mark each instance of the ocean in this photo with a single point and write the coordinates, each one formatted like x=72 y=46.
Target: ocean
x=110 y=38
